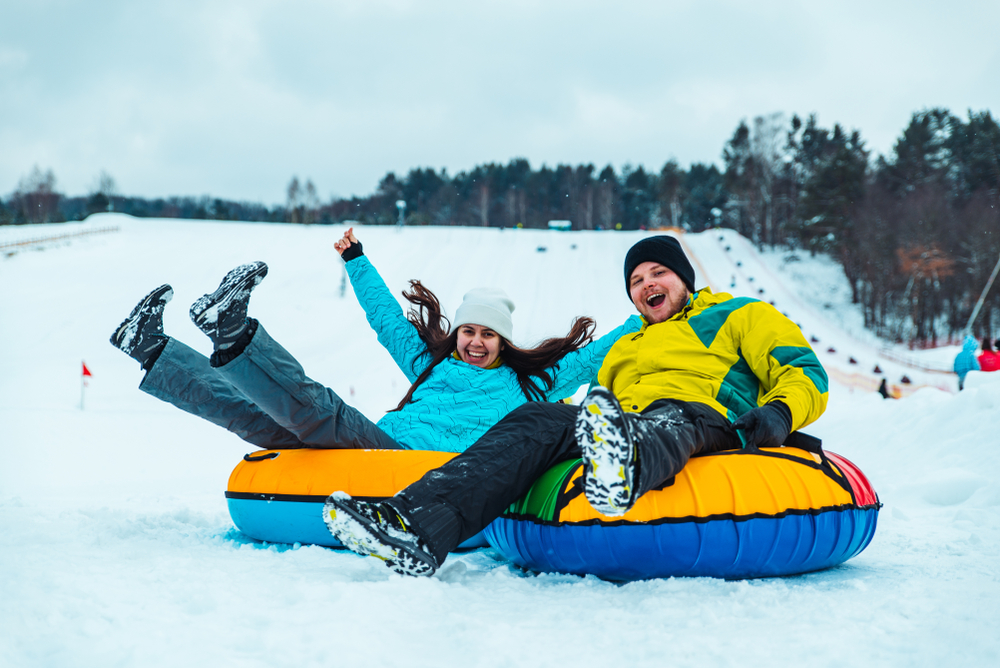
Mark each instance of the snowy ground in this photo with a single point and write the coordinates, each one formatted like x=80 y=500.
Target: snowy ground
x=116 y=548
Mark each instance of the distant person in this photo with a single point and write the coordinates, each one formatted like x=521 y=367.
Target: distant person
x=883 y=389
x=706 y=372
x=465 y=376
x=989 y=359
x=965 y=361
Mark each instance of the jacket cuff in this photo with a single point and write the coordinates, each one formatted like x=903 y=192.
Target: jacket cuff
x=227 y=355
x=353 y=251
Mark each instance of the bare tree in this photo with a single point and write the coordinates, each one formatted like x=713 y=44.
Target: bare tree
x=102 y=193
x=511 y=204
x=484 y=204
x=765 y=146
x=294 y=200
x=753 y=163
x=310 y=203
x=106 y=184
x=36 y=198
x=670 y=186
x=607 y=195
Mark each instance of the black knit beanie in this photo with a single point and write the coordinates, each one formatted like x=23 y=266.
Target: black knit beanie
x=662 y=250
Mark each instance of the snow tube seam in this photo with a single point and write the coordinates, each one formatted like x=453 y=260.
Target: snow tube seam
x=296 y=498
x=698 y=519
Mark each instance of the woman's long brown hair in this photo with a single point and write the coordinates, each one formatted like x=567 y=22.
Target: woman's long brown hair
x=530 y=365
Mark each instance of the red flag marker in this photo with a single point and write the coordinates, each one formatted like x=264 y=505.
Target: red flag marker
x=84 y=375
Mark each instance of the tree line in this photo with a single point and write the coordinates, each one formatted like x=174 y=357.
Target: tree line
x=36 y=201
x=916 y=231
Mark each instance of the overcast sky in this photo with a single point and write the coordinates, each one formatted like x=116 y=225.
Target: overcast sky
x=232 y=98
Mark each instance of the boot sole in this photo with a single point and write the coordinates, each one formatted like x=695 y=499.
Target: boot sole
x=609 y=454
x=125 y=332
x=360 y=535
x=243 y=278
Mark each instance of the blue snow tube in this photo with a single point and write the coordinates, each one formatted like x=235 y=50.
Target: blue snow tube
x=736 y=514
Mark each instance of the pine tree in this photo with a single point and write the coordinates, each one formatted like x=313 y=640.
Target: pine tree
x=638 y=198
x=705 y=196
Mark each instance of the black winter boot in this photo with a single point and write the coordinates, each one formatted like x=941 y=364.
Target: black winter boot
x=222 y=315
x=609 y=453
x=378 y=530
x=140 y=336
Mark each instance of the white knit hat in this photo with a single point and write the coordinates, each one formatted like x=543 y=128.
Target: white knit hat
x=489 y=307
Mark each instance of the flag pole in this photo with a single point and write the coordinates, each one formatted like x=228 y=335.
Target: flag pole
x=982 y=298
x=84 y=372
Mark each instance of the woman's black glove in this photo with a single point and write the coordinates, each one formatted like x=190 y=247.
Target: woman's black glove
x=766 y=426
x=352 y=251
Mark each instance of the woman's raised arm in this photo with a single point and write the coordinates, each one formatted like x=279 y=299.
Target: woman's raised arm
x=384 y=314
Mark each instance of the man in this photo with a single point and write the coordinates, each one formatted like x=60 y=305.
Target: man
x=706 y=373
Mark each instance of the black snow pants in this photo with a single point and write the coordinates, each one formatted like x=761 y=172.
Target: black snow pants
x=456 y=501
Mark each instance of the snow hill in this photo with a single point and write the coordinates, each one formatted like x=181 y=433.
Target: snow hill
x=116 y=547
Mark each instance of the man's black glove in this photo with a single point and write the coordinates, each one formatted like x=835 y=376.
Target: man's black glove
x=352 y=251
x=766 y=426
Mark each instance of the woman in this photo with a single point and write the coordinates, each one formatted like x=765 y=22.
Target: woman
x=464 y=377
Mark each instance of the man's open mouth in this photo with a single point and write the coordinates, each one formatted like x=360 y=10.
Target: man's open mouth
x=656 y=300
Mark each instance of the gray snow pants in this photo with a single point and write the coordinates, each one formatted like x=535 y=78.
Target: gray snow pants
x=263 y=396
